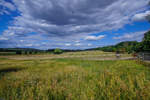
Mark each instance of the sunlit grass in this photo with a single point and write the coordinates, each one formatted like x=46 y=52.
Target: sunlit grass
x=86 y=55
x=73 y=79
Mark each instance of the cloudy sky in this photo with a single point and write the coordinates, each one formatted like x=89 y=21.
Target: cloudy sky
x=71 y=24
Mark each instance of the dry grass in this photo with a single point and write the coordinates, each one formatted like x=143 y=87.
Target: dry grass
x=73 y=79
x=80 y=55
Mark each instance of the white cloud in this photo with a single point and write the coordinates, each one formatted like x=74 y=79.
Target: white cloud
x=135 y=36
x=77 y=41
x=63 y=18
x=29 y=45
x=3 y=38
x=141 y=16
x=89 y=44
x=21 y=40
x=94 y=38
x=67 y=44
x=11 y=34
x=44 y=43
x=78 y=44
x=66 y=21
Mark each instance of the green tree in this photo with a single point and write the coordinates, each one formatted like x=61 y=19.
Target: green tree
x=58 y=51
x=26 y=52
x=18 y=52
x=146 y=42
x=30 y=52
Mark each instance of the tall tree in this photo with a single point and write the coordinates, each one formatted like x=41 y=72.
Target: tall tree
x=145 y=44
x=146 y=41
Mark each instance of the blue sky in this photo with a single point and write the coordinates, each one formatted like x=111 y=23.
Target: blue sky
x=75 y=24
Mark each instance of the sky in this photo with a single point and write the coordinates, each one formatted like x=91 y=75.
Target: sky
x=71 y=24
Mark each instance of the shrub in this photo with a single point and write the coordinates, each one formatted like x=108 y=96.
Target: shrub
x=30 y=52
x=58 y=51
x=26 y=52
x=19 y=52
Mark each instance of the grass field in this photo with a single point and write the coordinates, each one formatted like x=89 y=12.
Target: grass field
x=87 y=55
x=73 y=79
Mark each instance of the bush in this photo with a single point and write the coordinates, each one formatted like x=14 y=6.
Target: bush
x=58 y=51
x=18 y=52
x=30 y=52
x=26 y=52
x=35 y=52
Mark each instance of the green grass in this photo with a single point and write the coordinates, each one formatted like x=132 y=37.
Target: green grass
x=7 y=53
x=85 y=55
x=73 y=79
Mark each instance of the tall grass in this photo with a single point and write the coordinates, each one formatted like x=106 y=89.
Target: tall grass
x=73 y=79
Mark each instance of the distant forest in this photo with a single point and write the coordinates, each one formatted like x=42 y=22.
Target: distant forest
x=130 y=46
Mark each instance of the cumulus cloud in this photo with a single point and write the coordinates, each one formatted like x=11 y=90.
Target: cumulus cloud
x=141 y=16
x=135 y=36
x=94 y=38
x=66 y=20
x=62 y=18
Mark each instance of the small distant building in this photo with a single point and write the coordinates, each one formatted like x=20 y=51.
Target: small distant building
x=144 y=56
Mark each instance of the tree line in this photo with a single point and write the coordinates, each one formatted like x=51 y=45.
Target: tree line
x=130 y=46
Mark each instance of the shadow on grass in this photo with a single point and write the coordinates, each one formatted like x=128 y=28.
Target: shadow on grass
x=9 y=70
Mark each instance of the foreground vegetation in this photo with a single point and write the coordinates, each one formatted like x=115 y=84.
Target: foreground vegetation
x=73 y=79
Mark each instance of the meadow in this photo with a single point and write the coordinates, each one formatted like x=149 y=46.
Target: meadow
x=87 y=55
x=73 y=79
